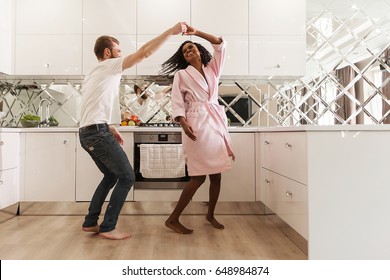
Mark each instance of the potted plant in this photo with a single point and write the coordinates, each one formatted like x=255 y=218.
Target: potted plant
x=30 y=120
x=53 y=121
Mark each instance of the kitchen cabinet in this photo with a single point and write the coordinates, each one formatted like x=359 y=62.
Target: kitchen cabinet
x=238 y=183
x=43 y=17
x=52 y=31
x=122 y=17
x=284 y=177
x=121 y=25
x=266 y=17
x=329 y=185
x=49 y=167
x=277 y=40
x=263 y=40
x=155 y=16
x=6 y=27
x=277 y=55
x=224 y=17
x=88 y=175
x=230 y=20
x=9 y=187
x=53 y=54
x=9 y=150
x=9 y=169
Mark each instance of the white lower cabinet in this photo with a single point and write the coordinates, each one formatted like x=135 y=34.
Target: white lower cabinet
x=88 y=176
x=283 y=170
x=288 y=199
x=238 y=183
x=331 y=187
x=49 y=167
x=9 y=187
x=9 y=168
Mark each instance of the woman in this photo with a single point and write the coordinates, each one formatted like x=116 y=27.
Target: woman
x=206 y=140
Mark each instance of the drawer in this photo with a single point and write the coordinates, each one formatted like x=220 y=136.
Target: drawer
x=9 y=150
x=288 y=199
x=286 y=153
x=9 y=187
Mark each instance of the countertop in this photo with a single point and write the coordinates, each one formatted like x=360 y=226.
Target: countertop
x=120 y=128
x=232 y=129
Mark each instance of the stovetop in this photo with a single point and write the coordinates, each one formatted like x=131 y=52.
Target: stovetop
x=160 y=124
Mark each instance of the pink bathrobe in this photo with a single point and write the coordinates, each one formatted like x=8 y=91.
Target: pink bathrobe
x=197 y=100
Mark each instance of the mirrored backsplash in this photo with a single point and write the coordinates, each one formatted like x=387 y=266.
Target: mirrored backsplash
x=246 y=99
x=347 y=81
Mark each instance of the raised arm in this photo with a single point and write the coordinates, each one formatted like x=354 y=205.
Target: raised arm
x=211 y=38
x=151 y=47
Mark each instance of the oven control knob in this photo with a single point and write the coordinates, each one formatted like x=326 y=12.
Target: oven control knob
x=151 y=137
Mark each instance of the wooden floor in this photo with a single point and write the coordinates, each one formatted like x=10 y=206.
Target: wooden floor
x=245 y=237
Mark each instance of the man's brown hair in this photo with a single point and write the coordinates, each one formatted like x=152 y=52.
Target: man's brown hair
x=102 y=43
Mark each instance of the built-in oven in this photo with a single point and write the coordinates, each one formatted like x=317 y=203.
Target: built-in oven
x=167 y=178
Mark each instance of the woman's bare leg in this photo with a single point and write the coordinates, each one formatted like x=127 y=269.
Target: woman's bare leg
x=215 y=187
x=188 y=192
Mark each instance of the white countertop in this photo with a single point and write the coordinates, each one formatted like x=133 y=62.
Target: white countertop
x=120 y=128
x=321 y=128
x=232 y=129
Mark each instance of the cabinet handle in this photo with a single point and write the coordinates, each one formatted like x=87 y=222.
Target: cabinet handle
x=267 y=181
x=1 y=143
x=288 y=146
x=266 y=142
x=65 y=141
x=289 y=193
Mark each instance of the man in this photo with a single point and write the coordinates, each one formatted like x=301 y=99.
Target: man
x=100 y=112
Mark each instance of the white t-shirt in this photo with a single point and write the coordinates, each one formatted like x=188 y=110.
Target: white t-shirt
x=100 y=93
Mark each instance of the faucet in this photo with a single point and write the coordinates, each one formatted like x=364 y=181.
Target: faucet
x=44 y=121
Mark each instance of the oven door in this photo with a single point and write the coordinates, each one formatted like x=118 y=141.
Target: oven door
x=155 y=183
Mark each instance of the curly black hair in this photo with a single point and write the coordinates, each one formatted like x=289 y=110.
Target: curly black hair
x=177 y=61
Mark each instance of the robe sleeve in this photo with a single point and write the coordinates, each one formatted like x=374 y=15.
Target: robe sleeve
x=177 y=98
x=216 y=63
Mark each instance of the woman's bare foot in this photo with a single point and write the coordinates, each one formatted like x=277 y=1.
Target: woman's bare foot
x=114 y=235
x=177 y=227
x=94 y=229
x=214 y=222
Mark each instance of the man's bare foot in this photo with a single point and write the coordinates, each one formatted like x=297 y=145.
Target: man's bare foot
x=94 y=229
x=177 y=227
x=214 y=222
x=114 y=235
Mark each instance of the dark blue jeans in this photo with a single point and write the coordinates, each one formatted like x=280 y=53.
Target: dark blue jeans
x=112 y=161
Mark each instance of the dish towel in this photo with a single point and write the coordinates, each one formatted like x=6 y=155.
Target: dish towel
x=162 y=161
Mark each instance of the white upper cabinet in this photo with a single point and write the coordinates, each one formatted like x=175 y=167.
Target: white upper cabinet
x=277 y=37
x=277 y=55
x=277 y=17
x=107 y=17
x=220 y=17
x=155 y=16
x=48 y=17
x=48 y=37
x=6 y=19
x=48 y=55
x=56 y=37
x=227 y=18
